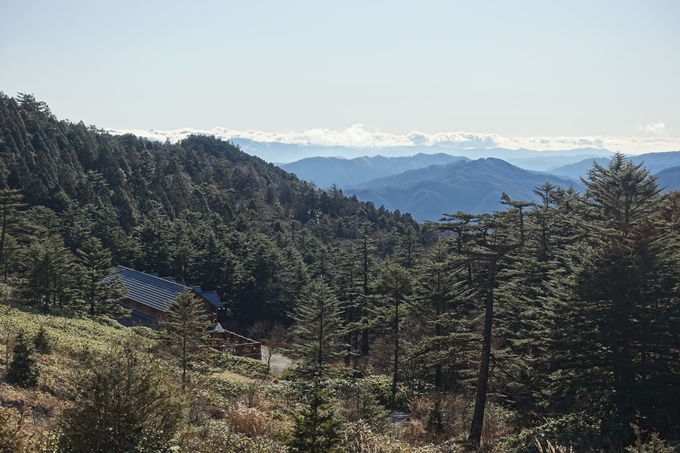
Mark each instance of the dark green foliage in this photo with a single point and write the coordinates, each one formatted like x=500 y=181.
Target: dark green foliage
x=23 y=369
x=316 y=428
x=51 y=276
x=439 y=311
x=122 y=400
x=42 y=342
x=10 y=203
x=653 y=445
x=564 y=307
x=614 y=319
x=318 y=323
x=394 y=285
x=359 y=402
x=185 y=335
x=101 y=289
x=200 y=211
x=579 y=431
x=434 y=421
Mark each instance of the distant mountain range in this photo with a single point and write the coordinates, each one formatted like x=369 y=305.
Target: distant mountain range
x=654 y=162
x=326 y=171
x=427 y=185
x=470 y=186
x=669 y=178
x=284 y=153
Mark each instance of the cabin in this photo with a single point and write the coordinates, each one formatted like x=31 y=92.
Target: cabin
x=150 y=296
x=235 y=344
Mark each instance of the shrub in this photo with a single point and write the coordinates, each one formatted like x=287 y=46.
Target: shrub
x=229 y=389
x=358 y=402
x=217 y=436
x=244 y=366
x=381 y=387
x=359 y=438
x=121 y=399
x=653 y=445
x=247 y=420
x=577 y=431
x=11 y=435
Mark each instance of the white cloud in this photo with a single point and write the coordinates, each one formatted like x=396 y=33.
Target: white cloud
x=658 y=128
x=357 y=136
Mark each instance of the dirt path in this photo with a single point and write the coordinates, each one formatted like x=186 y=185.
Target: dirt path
x=278 y=362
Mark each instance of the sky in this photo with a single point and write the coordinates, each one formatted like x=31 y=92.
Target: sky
x=526 y=72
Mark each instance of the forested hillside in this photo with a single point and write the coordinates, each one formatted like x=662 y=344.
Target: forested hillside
x=550 y=321
x=201 y=211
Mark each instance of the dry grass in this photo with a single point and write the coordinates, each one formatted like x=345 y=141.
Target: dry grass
x=255 y=422
x=550 y=448
x=358 y=438
x=234 y=377
x=456 y=416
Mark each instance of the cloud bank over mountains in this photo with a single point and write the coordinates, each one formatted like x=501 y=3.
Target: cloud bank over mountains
x=357 y=136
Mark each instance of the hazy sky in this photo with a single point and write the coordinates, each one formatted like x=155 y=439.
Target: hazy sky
x=514 y=68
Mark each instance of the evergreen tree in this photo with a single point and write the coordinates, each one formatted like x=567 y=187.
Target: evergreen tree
x=394 y=283
x=318 y=323
x=10 y=202
x=409 y=248
x=482 y=243
x=101 y=288
x=443 y=311
x=23 y=369
x=365 y=264
x=51 y=275
x=348 y=289
x=42 y=342
x=185 y=335
x=315 y=427
x=612 y=330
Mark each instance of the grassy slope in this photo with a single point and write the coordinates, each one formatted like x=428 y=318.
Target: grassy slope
x=239 y=413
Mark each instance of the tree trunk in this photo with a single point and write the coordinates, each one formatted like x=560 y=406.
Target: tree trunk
x=395 y=375
x=475 y=435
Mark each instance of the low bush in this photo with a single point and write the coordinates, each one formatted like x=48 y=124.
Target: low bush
x=218 y=436
x=244 y=366
x=381 y=387
x=359 y=438
x=230 y=389
x=119 y=399
x=579 y=432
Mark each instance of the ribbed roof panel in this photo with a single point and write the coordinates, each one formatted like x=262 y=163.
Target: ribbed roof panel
x=155 y=292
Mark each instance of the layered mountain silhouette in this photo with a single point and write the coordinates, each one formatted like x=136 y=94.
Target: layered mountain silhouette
x=469 y=186
x=427 y=185
x=654 y=162
x=669 y=178
x=579 y=169
x=326 y=171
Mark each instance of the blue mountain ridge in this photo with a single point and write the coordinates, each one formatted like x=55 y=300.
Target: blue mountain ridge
x=654 y=162
x=469 y=186
x=326 y=171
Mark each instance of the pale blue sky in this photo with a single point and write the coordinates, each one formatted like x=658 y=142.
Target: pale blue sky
x=517 y=68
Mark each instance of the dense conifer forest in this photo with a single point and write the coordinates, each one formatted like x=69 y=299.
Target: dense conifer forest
x=550 y=326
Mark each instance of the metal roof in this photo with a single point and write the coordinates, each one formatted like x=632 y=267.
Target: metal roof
x=217 y=327
x=156 y=292
x=212 y=297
